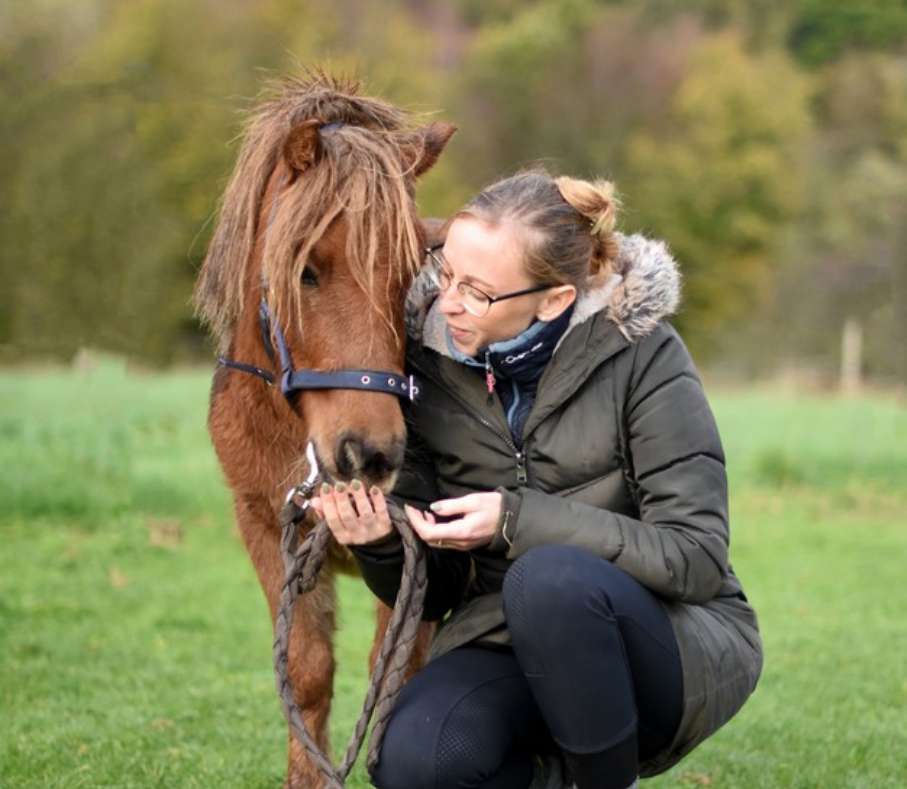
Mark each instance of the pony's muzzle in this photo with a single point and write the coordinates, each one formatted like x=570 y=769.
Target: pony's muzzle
x=356 y=457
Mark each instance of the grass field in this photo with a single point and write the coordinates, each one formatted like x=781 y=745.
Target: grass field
x=136 y=643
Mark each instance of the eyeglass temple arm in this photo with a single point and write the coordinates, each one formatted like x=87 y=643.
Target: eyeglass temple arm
x=536 y=289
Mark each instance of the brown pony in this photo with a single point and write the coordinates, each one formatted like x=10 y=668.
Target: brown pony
x=319 y=222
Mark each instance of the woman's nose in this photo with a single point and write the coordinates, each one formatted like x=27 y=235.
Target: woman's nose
x=450 y=302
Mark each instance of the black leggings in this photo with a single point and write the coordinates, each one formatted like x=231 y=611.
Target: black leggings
x=594 y=668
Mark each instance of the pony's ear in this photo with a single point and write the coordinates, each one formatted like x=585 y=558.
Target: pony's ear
x=435 y=230
x=303 y=145
x=430 y=141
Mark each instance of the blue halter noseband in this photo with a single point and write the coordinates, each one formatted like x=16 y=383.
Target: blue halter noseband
x=292 y=380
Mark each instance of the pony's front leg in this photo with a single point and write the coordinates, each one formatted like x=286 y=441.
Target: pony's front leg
x=311 y=655
x=311 y=669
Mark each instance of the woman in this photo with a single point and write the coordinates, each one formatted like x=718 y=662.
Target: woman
x=566 y=470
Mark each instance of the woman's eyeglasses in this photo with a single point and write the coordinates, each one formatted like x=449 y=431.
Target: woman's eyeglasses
x=476 y=302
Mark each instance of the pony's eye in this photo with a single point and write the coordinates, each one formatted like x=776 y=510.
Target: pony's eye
x=309 y=278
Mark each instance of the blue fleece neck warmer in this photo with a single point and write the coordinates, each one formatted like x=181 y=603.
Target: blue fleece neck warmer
x=513 y=367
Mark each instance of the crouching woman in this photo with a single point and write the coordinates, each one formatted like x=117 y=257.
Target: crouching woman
x=565 y=469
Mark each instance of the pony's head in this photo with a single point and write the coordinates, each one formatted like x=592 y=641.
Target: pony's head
x=319 y=220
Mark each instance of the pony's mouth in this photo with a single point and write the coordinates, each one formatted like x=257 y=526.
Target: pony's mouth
x=319 y=472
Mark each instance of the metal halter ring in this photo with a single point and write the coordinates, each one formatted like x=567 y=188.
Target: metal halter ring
x=307 y=487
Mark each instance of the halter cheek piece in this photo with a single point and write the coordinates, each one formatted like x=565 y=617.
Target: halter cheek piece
x=292 y=380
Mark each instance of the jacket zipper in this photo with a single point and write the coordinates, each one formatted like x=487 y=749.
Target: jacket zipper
x=522 y=474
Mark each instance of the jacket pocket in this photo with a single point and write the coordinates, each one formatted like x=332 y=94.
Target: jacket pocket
x=606 y=491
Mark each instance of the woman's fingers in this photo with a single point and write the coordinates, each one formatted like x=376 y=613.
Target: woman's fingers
x=417 y=520
x=379 y=504
x=353 y=516
x=431 y=532
x=348 y=515
x=461 y=529
x=329 y=510
x=458 y=506
x=361 y=499
x=421 y=525
x=415 y=517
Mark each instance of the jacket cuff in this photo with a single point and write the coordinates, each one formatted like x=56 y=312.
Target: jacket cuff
x=502 y=541
x=388 y=545
x=546 y=518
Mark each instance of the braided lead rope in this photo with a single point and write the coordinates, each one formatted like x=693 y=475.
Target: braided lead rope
x=396 y=648
x=302 y=562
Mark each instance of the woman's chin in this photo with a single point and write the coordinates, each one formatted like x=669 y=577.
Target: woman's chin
x=466 y=349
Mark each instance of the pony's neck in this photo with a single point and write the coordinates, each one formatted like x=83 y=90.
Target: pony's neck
x=268 y=436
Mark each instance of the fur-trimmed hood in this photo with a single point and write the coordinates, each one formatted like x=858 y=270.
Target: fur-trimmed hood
x=644 y=289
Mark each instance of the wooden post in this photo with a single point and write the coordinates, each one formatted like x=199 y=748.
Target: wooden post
x=851 y=356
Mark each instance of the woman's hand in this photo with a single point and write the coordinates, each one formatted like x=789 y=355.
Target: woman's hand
x=354 y=516
x=481 y=513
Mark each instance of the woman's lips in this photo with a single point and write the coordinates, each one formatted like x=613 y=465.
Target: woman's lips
x=458 y=334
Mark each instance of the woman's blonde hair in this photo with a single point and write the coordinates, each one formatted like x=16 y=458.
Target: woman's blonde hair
x=567 y=224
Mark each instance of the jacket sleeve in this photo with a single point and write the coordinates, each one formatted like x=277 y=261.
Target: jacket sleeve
x=678 y=547
x=381 y=562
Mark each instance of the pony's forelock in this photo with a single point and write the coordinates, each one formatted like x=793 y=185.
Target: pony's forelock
x=359 y=175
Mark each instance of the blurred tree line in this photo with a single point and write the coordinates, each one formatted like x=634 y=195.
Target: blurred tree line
x=766 y=141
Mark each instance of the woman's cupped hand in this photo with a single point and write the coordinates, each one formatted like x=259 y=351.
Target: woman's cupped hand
x=354 y=516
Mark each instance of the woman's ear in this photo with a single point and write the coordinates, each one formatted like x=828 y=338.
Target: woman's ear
x=555 y=302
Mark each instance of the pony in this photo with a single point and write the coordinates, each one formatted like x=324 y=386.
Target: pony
x=316 y=242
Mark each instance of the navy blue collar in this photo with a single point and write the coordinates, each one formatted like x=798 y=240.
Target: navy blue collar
x=522 y=358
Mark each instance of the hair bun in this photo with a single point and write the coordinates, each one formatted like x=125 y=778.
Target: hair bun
x=598 y=202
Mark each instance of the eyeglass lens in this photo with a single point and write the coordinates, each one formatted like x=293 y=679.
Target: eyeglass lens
x=474 y=302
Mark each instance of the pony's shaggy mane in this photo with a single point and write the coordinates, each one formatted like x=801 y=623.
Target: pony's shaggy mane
x=363 y=172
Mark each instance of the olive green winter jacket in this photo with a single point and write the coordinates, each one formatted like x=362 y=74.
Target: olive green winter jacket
x=620 y=455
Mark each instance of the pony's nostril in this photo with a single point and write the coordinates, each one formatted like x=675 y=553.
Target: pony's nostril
x=381 y=463
x=377 y=466
x=357 y=458
x=348 y=457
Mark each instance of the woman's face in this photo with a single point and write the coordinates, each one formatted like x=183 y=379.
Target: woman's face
x=490 y=258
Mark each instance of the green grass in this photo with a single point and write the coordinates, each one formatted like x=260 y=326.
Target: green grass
x=136 y=643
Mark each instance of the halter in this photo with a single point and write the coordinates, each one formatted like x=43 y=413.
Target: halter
x=292 y=380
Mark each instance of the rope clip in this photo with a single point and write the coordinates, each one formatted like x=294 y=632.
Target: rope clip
x=306 y=488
